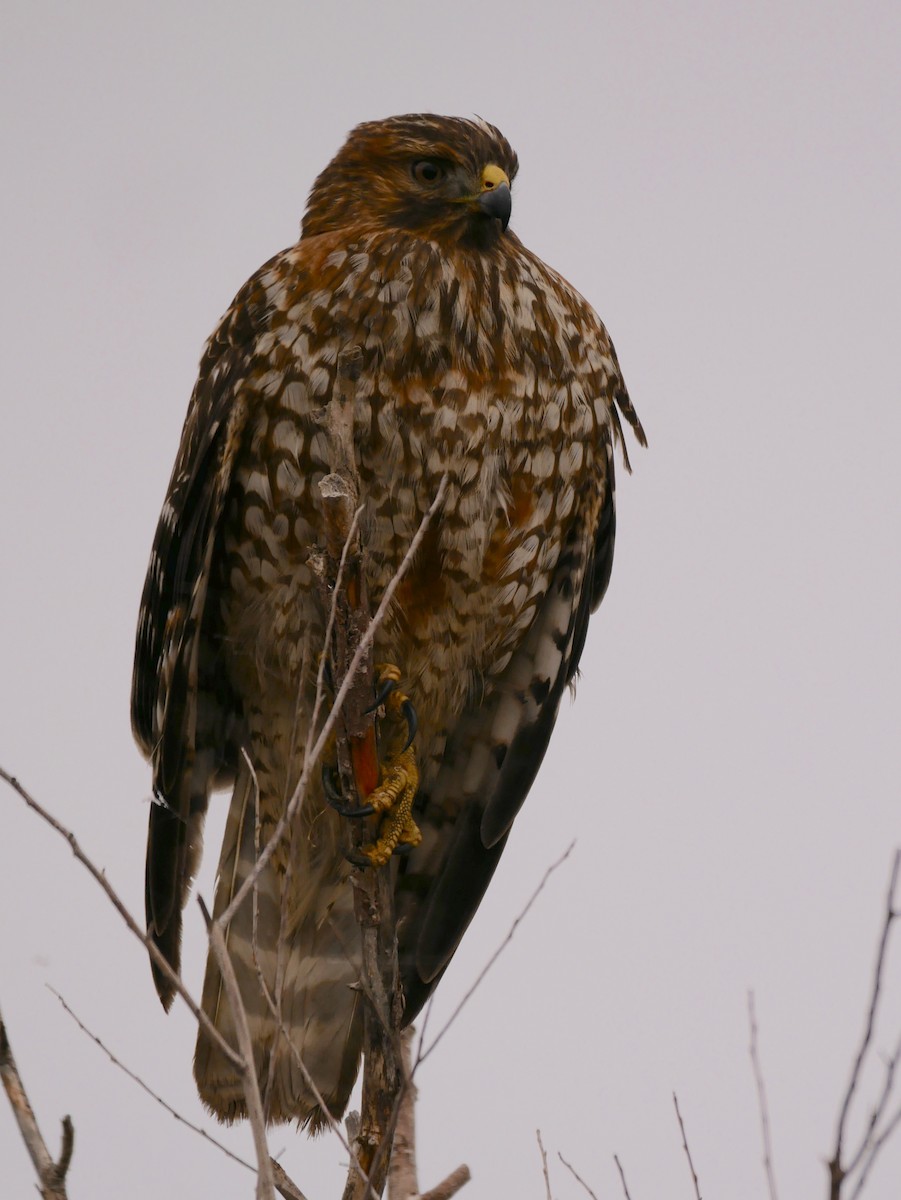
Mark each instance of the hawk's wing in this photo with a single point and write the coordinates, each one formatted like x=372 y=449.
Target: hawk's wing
x=493 y=756
x=181 y=709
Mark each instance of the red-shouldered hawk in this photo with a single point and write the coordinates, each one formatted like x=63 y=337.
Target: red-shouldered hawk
x=478 y=362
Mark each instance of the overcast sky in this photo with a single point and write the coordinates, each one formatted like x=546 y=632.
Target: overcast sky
x=722 y=182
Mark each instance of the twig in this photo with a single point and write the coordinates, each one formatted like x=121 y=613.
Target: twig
x=51 y=1175
x=402 y=1178
x=159 y=959
x=838 y=1171
x=876 y=1146
x=691 y=1166
x=424 y=1054
x=403 y=1183
x=622 y=1175
x=575 y=1174
x=425 y=1024
x=761 y=1102
x=448 y=1187
x=876 y=1115
x=284 y=1184
x=332 y=614
x=149 y=1090
x=252 y=1100
x=547 y=1178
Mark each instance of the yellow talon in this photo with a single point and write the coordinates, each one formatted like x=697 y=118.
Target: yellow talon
x=395 y=794
x=394 y=797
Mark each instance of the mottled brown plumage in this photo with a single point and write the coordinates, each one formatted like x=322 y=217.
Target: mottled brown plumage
x=479 y=362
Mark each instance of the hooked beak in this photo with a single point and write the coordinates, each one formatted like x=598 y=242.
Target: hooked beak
x=495 y=199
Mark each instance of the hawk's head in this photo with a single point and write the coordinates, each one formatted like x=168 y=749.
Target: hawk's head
x=440 y=177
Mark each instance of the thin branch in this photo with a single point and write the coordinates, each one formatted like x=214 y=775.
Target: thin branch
x=547 y=1178
x=761 y=1102
x=691 y=1166
x=209 y=1028
x=575 y=1174
x=149 y=1090
x=877 y=1145
x=838 y=1171
x=284 y=1184
x=51 y=1175
x=496 y=955
x=874 y=1001
x=622 y=1175
x=403 y=1183
x=448 y=1187
x=425 y=1025
x=332 y=614
x=252 y=1100
x=878 y=1112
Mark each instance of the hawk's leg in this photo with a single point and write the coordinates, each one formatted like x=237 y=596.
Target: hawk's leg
x=398 y=776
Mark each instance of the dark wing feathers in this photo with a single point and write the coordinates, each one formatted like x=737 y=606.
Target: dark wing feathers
x=490 y=778
x=177 y=704
x=186 y=517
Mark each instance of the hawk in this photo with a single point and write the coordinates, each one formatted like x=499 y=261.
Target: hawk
x=479 y=364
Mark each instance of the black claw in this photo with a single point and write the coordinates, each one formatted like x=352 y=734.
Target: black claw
x=330 y=784
x=357 y=860
x=382 y=694
x=412 y=722
x=401 y=850
x=336 y=800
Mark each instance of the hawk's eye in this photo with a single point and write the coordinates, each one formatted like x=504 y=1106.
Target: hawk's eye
x=428 y=171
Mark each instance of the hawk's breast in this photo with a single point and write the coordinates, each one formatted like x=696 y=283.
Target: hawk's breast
x=483 y=368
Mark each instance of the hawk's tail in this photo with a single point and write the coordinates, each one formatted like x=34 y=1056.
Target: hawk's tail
x=296 y=959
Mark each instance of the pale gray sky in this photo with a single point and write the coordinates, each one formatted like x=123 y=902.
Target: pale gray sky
x=723 y=183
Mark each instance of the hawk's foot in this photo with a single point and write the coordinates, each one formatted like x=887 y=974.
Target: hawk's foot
x=394 y=797
x=396 y=791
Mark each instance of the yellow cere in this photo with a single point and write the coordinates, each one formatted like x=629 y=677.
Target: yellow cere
x=493 y=177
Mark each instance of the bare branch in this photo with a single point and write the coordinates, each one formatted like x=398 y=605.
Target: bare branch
x=402 y=1179
x=448 y=1187
x=284 y=1185
x=691 y=1166
x=876 y=1146
x=622 y=1175
x=149 y=1090
x=761 y=1102
x=332 y=613
x=252 y=1100
x=547 y=1178
x=403 y=1183
x=51 y=1175
x=424 y=1054
x=575 y=1174
x=425 y=1025
x=872 y=1144
x=99 y=876
x=878 y=1112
